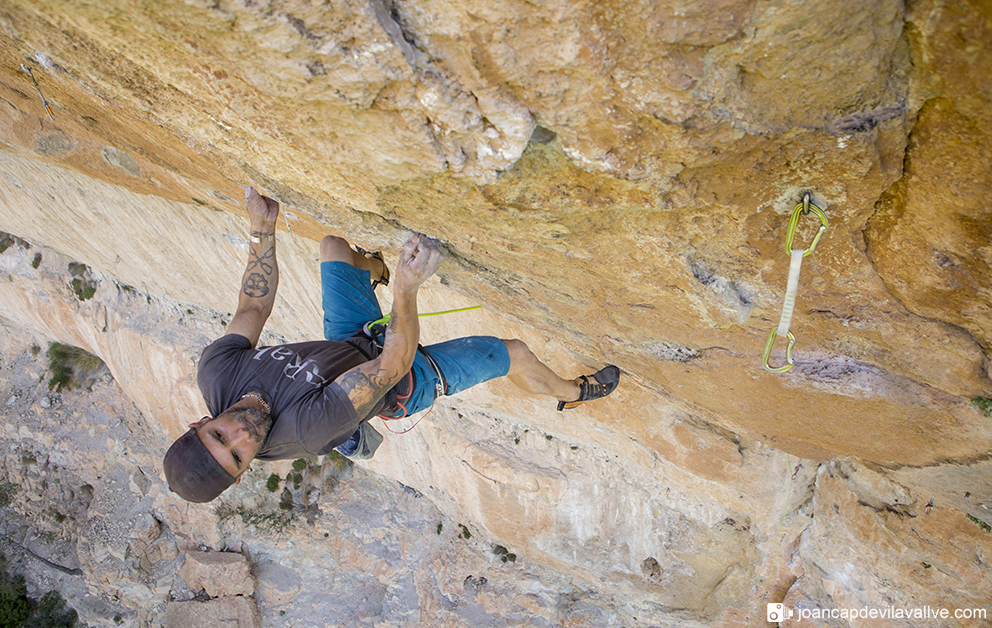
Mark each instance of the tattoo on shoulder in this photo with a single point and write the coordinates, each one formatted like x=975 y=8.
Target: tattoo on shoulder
x=256 y=286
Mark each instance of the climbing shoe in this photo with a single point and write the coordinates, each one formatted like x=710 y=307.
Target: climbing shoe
x=600 y=384
x=384 y=280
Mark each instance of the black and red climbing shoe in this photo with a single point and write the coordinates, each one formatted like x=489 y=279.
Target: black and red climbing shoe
x=597 y=386
x=384 y=279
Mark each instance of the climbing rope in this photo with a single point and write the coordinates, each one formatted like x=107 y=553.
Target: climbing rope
x=792 y=287
x=370 y=330
x=385 y=319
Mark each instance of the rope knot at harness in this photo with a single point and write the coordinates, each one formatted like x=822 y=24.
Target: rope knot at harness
x=792 y=287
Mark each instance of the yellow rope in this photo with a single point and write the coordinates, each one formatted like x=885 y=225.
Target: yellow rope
x=385 y=319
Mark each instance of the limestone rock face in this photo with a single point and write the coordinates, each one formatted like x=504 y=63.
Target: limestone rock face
x=277 y=584
x=940 y=551
x=606 y=521
x=218 y=573
x=640 y=222
x=931 y=235
x=235 y=612
x=612 y=182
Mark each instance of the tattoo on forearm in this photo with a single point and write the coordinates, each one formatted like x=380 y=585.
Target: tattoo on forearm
x=365 y=389
x=256 y=286
x=259 y=261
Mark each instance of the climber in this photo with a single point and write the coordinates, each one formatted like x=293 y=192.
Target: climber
x=295 y=400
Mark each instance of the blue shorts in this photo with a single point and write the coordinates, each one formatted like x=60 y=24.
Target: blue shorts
x=349 y=302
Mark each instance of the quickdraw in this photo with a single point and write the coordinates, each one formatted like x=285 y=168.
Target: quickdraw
x=792 y=287
x=38 y=87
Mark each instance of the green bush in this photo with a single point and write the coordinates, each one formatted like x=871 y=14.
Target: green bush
x=71 y=366
x=15 y=606
x=51 y=612
x=17 y=610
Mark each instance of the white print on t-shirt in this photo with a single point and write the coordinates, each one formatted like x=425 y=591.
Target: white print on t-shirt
x=294 y=364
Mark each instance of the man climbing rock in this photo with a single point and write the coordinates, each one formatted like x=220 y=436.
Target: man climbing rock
x=308 y=398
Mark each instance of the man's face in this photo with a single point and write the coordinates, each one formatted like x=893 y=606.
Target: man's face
x=234 y=437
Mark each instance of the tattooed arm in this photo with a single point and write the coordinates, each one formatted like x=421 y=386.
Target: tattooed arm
x=261 y=278
x=367 y=383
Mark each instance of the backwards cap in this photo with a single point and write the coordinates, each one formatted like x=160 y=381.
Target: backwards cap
x=192 y=472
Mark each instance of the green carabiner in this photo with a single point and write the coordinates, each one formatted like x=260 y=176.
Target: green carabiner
x=802 y=209
x=768 y=352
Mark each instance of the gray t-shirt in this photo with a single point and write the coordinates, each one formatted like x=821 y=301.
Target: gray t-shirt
x=311 y=414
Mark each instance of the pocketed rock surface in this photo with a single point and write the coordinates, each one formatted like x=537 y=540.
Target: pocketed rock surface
x=478 y=516
x=612 y=182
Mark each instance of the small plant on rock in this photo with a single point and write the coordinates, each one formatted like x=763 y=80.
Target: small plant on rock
x=7 y=492
x=984 y=404
x=83 y=283
x=72 y=367
x=286 y=501
x=504 y=554
x=7 y=240
x=981 y=524
x=274 y=522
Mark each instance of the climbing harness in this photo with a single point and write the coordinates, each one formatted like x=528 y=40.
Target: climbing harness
x=396 y=399
x=792 y=287
x=38 y=87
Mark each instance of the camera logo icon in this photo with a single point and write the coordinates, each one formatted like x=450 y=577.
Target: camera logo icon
x=778 y=612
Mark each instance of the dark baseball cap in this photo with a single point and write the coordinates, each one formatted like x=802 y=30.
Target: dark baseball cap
x=192 y=472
